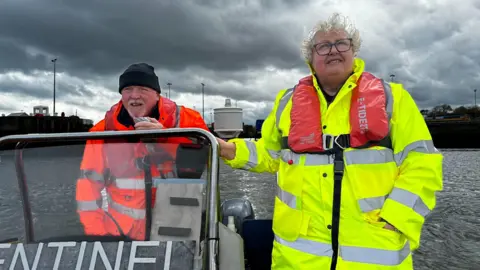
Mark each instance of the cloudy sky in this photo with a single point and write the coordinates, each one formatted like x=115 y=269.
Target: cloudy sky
x=245 y=50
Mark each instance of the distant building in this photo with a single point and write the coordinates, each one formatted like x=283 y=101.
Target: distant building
x=18 y=114
x=40 y=109
x=87 y=121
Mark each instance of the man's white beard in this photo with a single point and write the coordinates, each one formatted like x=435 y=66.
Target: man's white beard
x=138 y=113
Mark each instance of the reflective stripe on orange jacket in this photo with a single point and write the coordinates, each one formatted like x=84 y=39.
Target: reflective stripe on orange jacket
x=115 y=167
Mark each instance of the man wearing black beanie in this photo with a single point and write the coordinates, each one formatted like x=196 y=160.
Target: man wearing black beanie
x=140 y=91
x=141 y=75
x=141 y=107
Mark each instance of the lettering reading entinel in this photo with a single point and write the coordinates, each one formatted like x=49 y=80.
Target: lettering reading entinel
x=44 y=256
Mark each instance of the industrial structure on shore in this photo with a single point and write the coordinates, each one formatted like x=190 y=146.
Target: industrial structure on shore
x=448 y=130
x=40 y=121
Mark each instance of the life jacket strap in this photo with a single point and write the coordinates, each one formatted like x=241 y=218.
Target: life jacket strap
x=338 y=171
x=341 y=141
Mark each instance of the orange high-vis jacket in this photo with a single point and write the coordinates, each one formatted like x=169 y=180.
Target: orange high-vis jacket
x=117 y=168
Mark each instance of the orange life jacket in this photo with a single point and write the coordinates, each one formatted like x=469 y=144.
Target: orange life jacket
x=124 y=174
x=368 y=117
x=168 y=109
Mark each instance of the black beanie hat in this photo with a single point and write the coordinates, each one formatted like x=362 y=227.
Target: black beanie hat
x=139 y=74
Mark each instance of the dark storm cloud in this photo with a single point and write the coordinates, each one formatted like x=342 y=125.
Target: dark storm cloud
x=32 y=90
x=446 y=41
x=432 y=50
x=101 y=36
x=41 y=89
x=228 y=45
x=235 y=85
x=14 y=56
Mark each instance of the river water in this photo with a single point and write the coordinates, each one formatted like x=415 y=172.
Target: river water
x=450 y=240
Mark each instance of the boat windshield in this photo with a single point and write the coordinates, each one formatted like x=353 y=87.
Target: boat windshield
x=88 y=199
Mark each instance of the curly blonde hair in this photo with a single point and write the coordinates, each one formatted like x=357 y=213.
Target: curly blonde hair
x=334 y=22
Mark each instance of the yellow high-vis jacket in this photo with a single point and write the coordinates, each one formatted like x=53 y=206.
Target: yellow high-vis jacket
x=379 y=185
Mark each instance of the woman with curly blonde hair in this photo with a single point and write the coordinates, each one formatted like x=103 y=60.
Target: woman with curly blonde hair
x=356 y=167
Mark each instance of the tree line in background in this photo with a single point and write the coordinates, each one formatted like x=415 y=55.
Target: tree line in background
x=446 y=109
x=249 y=131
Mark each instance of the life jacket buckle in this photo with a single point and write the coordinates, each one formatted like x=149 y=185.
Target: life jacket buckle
x=339 y=144
x=328 y=141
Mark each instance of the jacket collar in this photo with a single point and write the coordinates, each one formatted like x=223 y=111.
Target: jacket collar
x=358 y=68
x=125 y=119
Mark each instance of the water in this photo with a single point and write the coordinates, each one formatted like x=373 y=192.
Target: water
x=450 y=240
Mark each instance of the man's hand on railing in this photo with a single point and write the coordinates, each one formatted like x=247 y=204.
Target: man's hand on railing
x=227 y=149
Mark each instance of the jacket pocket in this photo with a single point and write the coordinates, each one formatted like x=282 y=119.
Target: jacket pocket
x=288 y=223
x=290 y=176
x=381 y=236
x=372 y=173
x=374 y=221
x=288 y=220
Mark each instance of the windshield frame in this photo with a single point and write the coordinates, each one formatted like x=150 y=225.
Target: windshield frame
x=212 y=207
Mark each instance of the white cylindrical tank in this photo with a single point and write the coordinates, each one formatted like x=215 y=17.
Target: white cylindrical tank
x=228 y=121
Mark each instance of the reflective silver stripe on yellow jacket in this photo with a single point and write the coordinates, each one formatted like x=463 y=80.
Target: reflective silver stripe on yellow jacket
x=282 y=104
x=405 y=197
x=360 y=156
x=310 y=159
x=357 y=156
x=347 y=253
x=253 y=155
x=425 y=147
x=389 y=99
x=372 y=156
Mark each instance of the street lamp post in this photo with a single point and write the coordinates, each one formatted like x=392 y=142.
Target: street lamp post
x=392 y=76
x=475 y=97
x=169 y=84
x=203 y=100
x=54 y=61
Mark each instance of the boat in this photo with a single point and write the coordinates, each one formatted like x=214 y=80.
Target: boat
x=190 y=228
